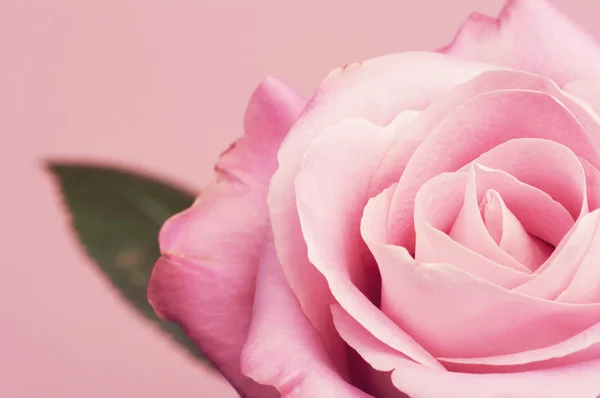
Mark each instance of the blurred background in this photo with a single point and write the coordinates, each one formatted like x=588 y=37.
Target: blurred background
x=159 y=86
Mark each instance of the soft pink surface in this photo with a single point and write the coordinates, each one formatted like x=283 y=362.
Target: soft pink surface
x=160 y=85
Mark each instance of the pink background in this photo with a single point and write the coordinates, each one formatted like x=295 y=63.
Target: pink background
x=159 y=85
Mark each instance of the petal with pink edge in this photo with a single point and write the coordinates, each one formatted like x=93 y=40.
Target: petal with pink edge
x=585 y=284
x=283 y=349
x=502 y=79
x=205 y=279
x=592 y=180
x=331 y=192
x=213 y=308
x=556 y=274
x=582 y=347
x=577 y=380
x=549 y=166
x=469 y=228
x=422 y=298
x=530 y=35
x=510 y=235
x=439 y=202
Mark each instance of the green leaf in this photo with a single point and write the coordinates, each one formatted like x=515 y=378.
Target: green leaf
x=117 y=215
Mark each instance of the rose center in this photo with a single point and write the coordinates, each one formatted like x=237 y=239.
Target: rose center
x=510 y=235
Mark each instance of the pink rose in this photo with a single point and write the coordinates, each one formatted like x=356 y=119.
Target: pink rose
x=426 y=225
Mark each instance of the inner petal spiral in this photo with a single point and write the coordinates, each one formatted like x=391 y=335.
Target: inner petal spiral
x=509 y=234
x=450 y=228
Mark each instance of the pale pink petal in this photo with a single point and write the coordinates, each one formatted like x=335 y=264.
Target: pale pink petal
x=577 y=380
x=437 y=205
x=283 y=349
x=453 y=314
x=585 y=285
x=509 y=233
x=487 y=81
x=582 y=347
x=440 y=199
x=505 y=80
x=481 y=124
x=205 y=279
x=469 y=229
x=530 y=35
x=494 y=215
x=555 y=275
x=393 y=164
x=534 y=209
x=592 y=177
x=376 y=90
x=212 y=303
x=331 y=190
x=544 y=164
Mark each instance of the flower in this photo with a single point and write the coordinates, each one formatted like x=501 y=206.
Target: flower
x=427 y=224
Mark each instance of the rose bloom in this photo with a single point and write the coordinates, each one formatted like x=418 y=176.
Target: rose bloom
x=427 y=225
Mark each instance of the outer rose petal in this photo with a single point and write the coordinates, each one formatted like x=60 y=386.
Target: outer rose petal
x=205 y=279
x=331 y=189
x=530 y=35
x=578 y=380
x=283 y=349
x=376 y=90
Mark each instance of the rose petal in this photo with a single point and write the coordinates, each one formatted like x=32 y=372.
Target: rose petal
x=495 y=215
x=577 y=380
x=369 y=91
x=299 y=370
x=481 y=124
x=501 y=79
x=205 y=279
x=554 y=276
x=509 y=233
x=592 y=177
x=585 y=284
x=529 y=35
x=469 y=229
x=490 y=321
x=535 y=209
x=549 y=166
x=212 y=305
x=331 y=191
x=393 y=164
x=438 y=203
x=582 y=347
